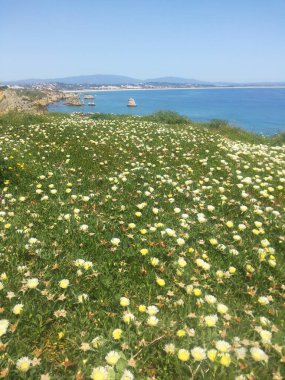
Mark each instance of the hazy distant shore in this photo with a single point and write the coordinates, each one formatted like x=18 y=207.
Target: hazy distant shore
x=172 y=88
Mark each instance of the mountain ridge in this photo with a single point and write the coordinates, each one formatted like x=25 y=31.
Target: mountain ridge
x=112 y=79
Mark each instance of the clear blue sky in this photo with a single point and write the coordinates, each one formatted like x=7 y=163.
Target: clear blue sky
x=214 y=40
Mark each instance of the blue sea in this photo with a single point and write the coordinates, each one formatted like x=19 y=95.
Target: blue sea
x=261 y=110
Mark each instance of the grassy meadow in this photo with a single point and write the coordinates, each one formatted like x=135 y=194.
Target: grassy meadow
x=140 y=248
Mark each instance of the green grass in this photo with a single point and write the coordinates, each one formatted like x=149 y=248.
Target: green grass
x=161 y=184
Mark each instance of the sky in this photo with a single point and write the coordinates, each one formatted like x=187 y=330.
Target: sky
x=211 y=40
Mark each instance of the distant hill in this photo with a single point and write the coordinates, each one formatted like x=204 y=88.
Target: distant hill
x=175 y=80
x=98 y=79
x=101 y=79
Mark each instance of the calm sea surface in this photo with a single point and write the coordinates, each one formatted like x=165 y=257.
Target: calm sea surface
x=260 y=110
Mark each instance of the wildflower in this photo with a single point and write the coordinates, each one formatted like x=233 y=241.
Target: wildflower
x=82 y=297
x=152 y=321
x=258 y=354
x=144 y=251
x=197 y=292
x=170 y=232
x=23 y=364
x=160 y=281
x=63 y=283
x=17 y=309
x=117 y=333
x=264 y=321
x=33 y=241
x=115 y=242
x=85 y=347
x=210 y=299
x=213 y=241
x=4 y=323
x=99 y=373
x=183 y=355
x=222 y=346
x=181 y=262
x=211 y=320
x=142 y=308
x=240 y=353
x=225 y=360
x=222 y=309
x=112 y=358
x=32 y=283
x=154 y=261
x=83 y=227
x=152 y=310
x=169 y=348
x=97 y=342
x=212 y=354
x=127 y=375
x=180 y=241
x=263 y=300
x=124 y=301
x=198 y=353
x=128 y=317
x=265 y=336
x=181 y=333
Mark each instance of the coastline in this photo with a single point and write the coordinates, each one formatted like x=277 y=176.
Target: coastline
x=172 y=88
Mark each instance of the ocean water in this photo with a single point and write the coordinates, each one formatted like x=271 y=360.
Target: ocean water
x=261 y=110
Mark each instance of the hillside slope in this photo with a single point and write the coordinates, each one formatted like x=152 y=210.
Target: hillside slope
x=134 y=249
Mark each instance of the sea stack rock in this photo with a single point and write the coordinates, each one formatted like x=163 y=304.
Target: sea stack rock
x=131 y=102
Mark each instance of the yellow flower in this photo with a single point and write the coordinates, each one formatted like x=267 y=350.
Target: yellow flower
x=60 y=335
x=229 y=224
x=142 y=308
x=181 y=333
x=99 y=373
x=225 y=360
x=232 y=270
x=197 y=292
x=7 y=226
x=23 y=364
x=183 y=355
x=154 y=261
x=63 y=283
x=124 y=301
x=117 y=334
x=212 y=354
x=160 y=281
x=213 y=241
x=144 y=251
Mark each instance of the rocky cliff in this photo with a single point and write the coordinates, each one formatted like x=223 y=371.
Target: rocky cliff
x=26 y=100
